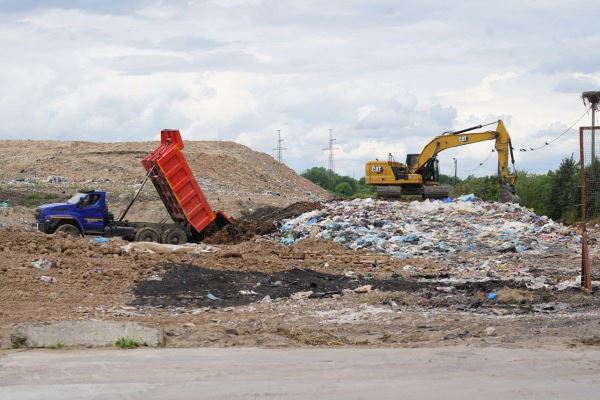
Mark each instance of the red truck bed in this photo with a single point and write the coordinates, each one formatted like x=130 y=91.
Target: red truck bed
x=176 y=185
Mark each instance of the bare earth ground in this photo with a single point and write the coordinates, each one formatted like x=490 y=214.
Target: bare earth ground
x=248 y=290
x=102 y=281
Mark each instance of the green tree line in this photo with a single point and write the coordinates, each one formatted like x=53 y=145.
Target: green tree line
x=339 y=185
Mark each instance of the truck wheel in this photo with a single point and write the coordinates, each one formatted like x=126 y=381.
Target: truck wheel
x=174 y=236
x=69 y=229
x=147 y=234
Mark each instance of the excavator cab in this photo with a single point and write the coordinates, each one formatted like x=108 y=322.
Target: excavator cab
x=411 y=160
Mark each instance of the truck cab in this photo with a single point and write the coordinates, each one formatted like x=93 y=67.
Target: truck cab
x=83 y=214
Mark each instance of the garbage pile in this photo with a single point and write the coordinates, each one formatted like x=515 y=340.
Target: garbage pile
x=432 y=229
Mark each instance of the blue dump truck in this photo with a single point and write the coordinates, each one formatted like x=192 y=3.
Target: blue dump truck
x=87 y=213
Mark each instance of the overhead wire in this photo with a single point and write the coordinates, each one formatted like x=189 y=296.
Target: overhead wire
x=559 y=136
x=535 y=148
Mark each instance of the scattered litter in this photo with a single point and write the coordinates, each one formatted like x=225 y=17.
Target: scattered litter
x=212 y=297
x=468 y=197
x=42 y=263
x=100 y=239
x=491 y=296
x=474 y=240
x=248 y=293
x=301 y=295
x=569 y=283
x=430 y=228
x=329 y=293
x=445 y=289
x=160 y=248
x=363 y=289
x=48 y=279
x=551 y=306
x=4 y=204
x=490 y=331
x=57 y=179
x=266 y=299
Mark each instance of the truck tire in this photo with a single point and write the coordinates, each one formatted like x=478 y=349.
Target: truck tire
x=68 y=229
x=174 y=236
x=147 y=234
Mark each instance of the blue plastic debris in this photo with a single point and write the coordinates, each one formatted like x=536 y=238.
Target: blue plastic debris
x=491 y=296
x=100 y=239
x=4 y=204
x=312 y=221
x=468 y=197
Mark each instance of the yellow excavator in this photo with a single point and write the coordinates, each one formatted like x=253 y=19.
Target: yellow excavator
x=420 y=174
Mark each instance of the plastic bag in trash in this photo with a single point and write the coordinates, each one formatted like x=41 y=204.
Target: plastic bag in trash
x=468 y=197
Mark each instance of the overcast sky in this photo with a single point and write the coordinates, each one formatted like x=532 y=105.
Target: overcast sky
x=384 y=75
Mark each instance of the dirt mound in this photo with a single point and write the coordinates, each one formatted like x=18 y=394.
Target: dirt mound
x=262 y=221
x=234 y=178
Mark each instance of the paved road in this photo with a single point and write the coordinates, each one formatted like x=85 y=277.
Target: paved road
x=439 y=373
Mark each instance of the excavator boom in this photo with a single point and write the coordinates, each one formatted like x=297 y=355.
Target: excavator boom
x=420 y=173
x=461 y=138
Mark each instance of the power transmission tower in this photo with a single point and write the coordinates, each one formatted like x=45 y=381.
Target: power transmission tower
x=279 y=148
x=330 y=148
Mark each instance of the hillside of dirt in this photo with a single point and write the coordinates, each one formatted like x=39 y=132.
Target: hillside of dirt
x=234 y=178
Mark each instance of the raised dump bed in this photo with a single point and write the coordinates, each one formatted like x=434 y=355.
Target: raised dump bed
x=175 y=183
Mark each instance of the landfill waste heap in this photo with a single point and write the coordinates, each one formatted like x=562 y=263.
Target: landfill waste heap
x=469 y=233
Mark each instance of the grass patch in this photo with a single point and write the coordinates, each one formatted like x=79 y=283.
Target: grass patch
x=37 y=198
x=514 y=296
x=127 y=343
x=400 y=298
x=56 y=346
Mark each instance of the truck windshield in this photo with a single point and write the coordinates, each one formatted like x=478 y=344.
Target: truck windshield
x=76 y=197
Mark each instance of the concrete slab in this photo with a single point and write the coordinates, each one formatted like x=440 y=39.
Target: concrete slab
x=335 y=374
x=82 y=333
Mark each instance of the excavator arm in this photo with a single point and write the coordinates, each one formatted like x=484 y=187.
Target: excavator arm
x=420 y=176
x=461 y=138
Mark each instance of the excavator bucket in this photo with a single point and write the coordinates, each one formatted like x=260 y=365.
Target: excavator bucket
x=507 y=194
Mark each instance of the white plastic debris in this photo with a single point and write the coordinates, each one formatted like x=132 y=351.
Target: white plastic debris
x=212 y=297
x=48 y=279
x=41 y=264
x=248 y=293
x=160 y=248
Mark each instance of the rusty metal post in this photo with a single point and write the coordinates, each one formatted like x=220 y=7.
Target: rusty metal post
x=586 y=276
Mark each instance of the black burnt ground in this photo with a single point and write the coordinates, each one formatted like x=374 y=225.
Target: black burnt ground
x=186 y=285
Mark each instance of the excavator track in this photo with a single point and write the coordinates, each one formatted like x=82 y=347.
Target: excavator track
x=389 y=192
x=436 y=192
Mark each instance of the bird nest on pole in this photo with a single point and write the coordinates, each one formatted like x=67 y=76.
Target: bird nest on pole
x=592 y=97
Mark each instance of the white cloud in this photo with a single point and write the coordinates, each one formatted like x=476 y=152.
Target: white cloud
x=386 y=76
